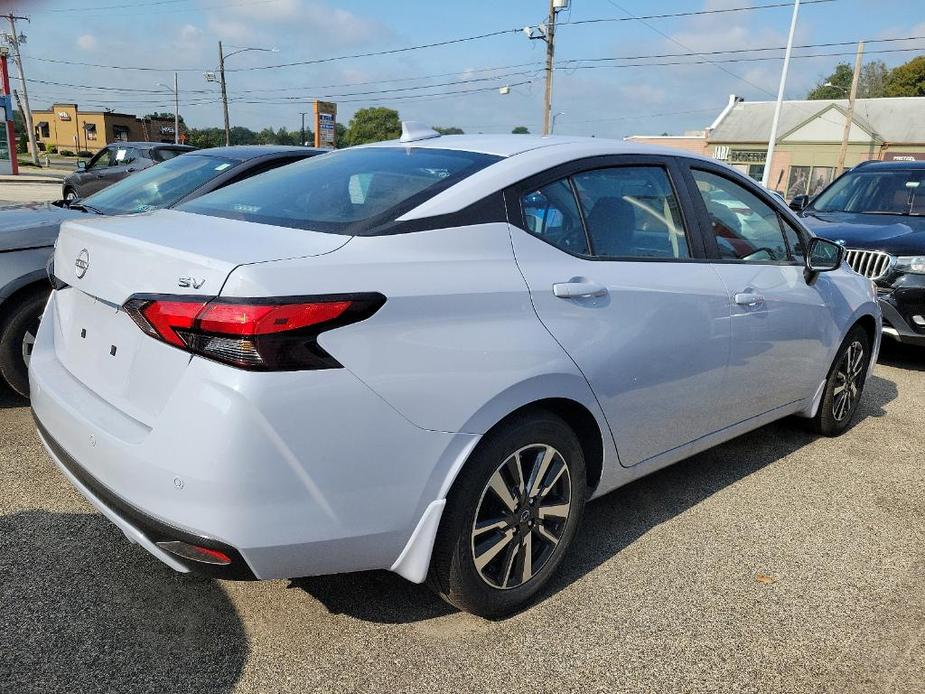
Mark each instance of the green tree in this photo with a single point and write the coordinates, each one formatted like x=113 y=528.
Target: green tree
x=907 y=79
x=872 y=83
x=521 y=130
x=373 y=125
x=340 y=136
x=840 y=81
x=451 y=130
x=166 y=115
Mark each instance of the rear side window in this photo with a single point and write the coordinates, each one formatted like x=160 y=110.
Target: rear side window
x=552 y=214
x=619 y=212
x=165 y=154
x=631 y=211
x=745 y=227
x=354 y=191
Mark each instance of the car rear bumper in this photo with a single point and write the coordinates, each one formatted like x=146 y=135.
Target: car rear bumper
x=289 y=474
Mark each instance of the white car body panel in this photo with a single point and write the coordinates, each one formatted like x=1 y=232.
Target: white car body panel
x=343 y=469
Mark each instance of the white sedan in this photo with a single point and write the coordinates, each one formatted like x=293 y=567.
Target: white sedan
x=427 y=355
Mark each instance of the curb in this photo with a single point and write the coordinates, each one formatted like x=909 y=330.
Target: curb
x=22 y=180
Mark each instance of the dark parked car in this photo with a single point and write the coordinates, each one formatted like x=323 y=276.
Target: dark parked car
x=28 y=232
x=877 y=211
x=114 y=162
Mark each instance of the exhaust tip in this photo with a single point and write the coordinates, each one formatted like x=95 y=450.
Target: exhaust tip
x=203 y=555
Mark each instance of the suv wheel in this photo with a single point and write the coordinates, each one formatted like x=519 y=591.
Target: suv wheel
x=845 y=384
x=17 y=337
x=70 y=195
x=511 y=516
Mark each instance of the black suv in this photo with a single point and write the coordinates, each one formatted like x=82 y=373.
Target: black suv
x=113 y=163
x=877 y=212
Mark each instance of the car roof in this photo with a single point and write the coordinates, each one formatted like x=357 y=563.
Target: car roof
x=246 y=152
x=151 y=145
x=895 y=165
x=512 y=145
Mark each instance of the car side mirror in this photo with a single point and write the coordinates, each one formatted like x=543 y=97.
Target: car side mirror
x=81 y=165
x=799 y=202
x=823 y=256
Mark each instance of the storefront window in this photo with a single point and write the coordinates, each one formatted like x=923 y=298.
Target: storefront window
x=798 y=183
x=820 y=178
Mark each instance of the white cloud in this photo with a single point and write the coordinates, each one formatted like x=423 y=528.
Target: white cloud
x=87 y=42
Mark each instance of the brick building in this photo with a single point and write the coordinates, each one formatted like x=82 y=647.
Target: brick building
x=66 y=127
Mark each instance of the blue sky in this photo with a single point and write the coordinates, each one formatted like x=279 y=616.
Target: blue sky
x=603 y=101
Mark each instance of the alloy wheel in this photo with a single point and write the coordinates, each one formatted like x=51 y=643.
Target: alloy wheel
x=521 y=517
x=848 y=379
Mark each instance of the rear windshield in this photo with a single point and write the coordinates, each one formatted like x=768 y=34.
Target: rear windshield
x=159 y=186
x=352 y=191
x=899 y=191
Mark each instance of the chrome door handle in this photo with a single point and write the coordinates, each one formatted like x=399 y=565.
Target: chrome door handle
x=578 y=290
x=748 y=299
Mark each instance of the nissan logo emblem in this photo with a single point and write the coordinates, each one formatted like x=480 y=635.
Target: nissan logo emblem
x=82 y=263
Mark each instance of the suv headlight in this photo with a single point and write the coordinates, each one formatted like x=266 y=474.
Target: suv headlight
x=911 y=263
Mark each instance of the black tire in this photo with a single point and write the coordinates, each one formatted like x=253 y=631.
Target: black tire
x=16 y=335
x=500 y=588
x=70 y=194
x=844 y=385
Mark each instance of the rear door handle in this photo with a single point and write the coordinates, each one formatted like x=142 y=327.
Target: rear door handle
x=578 y=290
x=748 y=299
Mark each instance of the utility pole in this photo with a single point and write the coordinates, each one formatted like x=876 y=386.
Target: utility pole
x=772 y=140
x=550 y=55
x=176 y=109
x=221 y=74
x=840 y=165
x=302 y=137
x=14 y=39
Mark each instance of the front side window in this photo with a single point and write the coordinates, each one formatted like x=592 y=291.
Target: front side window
x=745 y=227
x=631 y=211
x=351 y=191
x=104 y=158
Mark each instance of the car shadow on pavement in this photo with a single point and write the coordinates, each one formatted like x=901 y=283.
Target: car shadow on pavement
x=10 y=399
x=82 y=610
x=611 y=523
x=902 y=356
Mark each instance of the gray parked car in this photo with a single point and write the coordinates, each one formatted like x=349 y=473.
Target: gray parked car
x=114 y=162
x=28 y=232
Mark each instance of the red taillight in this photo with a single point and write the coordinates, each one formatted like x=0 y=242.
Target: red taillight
x=254 y=334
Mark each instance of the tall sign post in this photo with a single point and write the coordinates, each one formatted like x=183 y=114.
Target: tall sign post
x=6 y=105
x=325 y=124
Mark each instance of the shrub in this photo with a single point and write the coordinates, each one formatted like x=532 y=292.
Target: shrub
x=66 y=153
x=84 y=154
x=51 y=149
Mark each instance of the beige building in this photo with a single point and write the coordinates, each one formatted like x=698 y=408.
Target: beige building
x=810 y=135
x=66 y=127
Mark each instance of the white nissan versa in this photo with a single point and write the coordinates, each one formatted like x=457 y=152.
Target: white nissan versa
x=426 y=355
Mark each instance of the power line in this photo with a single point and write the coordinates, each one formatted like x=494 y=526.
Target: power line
x=435 y=44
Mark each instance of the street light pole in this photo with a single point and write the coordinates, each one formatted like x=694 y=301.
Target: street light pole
x=772 y=140
x=176 y=109
x=302 y=138
x=221 y=75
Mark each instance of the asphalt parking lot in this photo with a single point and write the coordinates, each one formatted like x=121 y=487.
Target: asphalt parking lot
x=778 y=562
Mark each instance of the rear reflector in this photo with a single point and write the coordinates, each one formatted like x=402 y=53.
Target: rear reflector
x=260 y=334
x=203 y=555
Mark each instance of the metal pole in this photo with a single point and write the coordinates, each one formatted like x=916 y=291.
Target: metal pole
x=27 y=111
x=840 y=165
x=302 y=136
x=221 y=73
x=10 y=130
x=176 y=109
x=550 y=54
x=772 y=140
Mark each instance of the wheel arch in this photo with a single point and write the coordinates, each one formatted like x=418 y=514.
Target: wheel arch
x=15 y=292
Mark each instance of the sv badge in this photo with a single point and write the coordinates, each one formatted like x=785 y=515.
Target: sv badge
x=193 y=282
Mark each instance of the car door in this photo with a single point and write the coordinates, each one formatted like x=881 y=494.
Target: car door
x=619 y=278
x=96 y=175
x=780 y=321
